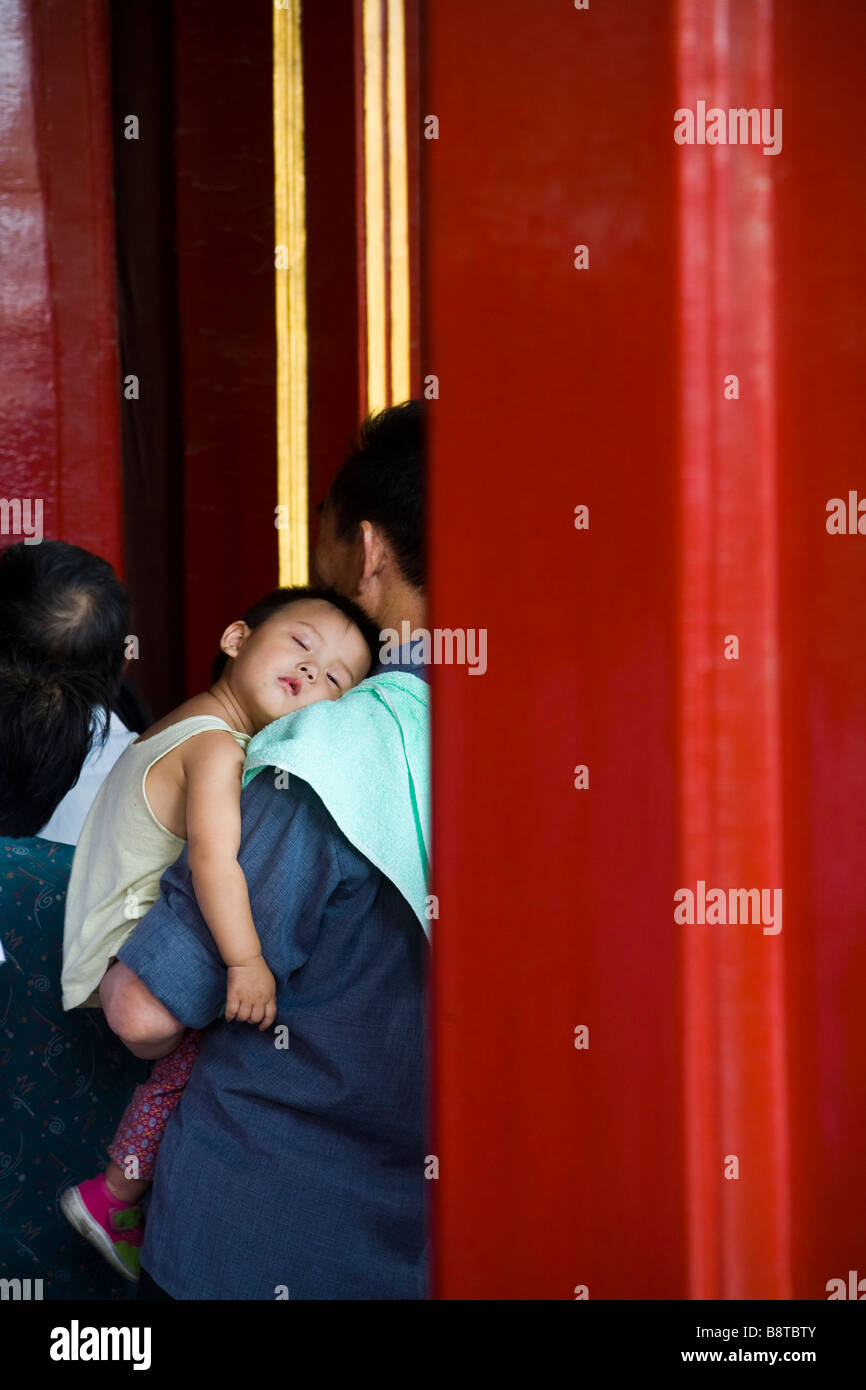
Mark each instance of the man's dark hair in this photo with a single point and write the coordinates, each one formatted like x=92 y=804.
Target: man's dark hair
x=60 y=604
x=47 y=720
x=284 y=598
x=383 y=482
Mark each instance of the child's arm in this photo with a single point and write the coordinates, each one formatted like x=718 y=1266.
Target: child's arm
x=213 y=765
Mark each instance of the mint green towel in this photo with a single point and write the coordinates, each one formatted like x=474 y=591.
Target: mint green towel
x=367 y=756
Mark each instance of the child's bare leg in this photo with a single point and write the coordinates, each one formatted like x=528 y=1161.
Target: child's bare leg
x=123 y=1188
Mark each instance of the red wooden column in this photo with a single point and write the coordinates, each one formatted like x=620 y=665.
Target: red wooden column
x=710 y=1141
x=334 y=268
x=735 y=1024
x=225 y=265
x=561 y=1168
x=59 y=384
x=820 y=369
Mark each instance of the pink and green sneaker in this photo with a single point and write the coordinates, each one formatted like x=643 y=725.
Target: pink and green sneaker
x=113 y=1227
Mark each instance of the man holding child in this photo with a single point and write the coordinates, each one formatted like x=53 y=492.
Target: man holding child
x=294 y=1165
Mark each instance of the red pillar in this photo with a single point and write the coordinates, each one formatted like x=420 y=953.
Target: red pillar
x=559 y=1167
x=734 y=1020
x=610 y=1167
x=59 y=383
x=225 y=266
x=820 y=369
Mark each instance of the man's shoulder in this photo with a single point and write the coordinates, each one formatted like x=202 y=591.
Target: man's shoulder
x=276 y=796
x=408 y=658
x=406 y=668
x=278 y=808
x=283 y=817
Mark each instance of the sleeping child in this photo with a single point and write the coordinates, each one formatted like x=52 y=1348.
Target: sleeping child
x=180 y=783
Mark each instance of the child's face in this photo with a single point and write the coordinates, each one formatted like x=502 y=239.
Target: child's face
x=306 y=652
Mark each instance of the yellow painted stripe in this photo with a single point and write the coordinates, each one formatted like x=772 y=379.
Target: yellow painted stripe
x=374 y=206
x=291 y=298
x=398 y=177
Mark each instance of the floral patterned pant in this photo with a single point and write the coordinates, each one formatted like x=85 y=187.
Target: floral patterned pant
x=140 y=1131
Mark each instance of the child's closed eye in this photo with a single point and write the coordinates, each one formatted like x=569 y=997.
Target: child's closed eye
x=306 y=647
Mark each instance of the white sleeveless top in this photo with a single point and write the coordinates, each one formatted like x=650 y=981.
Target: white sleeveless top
x=120 y=858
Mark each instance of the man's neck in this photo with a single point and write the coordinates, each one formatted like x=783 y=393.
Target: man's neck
x=403 y=606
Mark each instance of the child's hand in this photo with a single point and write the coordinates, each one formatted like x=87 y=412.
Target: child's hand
x=251 y=996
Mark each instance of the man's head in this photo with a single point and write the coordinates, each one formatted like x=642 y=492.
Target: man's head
x=371 y=540
x=293 y=648
x=62 y=606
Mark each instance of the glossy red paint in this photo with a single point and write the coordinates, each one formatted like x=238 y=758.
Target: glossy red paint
x=59 y=382
x=559 y=1167
x=735 y=1026
x=606 y=1168
x=820 y=274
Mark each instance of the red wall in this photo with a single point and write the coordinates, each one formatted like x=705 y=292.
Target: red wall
x=559 y=1167
x=225 y=249
x=333 y=266
x=605 y=1167
x=59 y=381
x=821 y=421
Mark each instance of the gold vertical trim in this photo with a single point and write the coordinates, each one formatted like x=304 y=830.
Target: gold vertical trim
x=398 y=179
x=374 y=206
x=291 y=296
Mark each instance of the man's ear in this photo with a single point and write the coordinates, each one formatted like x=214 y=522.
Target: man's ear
x=234 y=637
x=374 y=548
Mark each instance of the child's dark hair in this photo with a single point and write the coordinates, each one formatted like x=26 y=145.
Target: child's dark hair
x=284 y=598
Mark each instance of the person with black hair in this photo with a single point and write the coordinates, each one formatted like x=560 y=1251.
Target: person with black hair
x=66 y=716
x=49 y=719
x=66 y=712
x=333 y=1203
x=371 y=538
x=181 y=783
